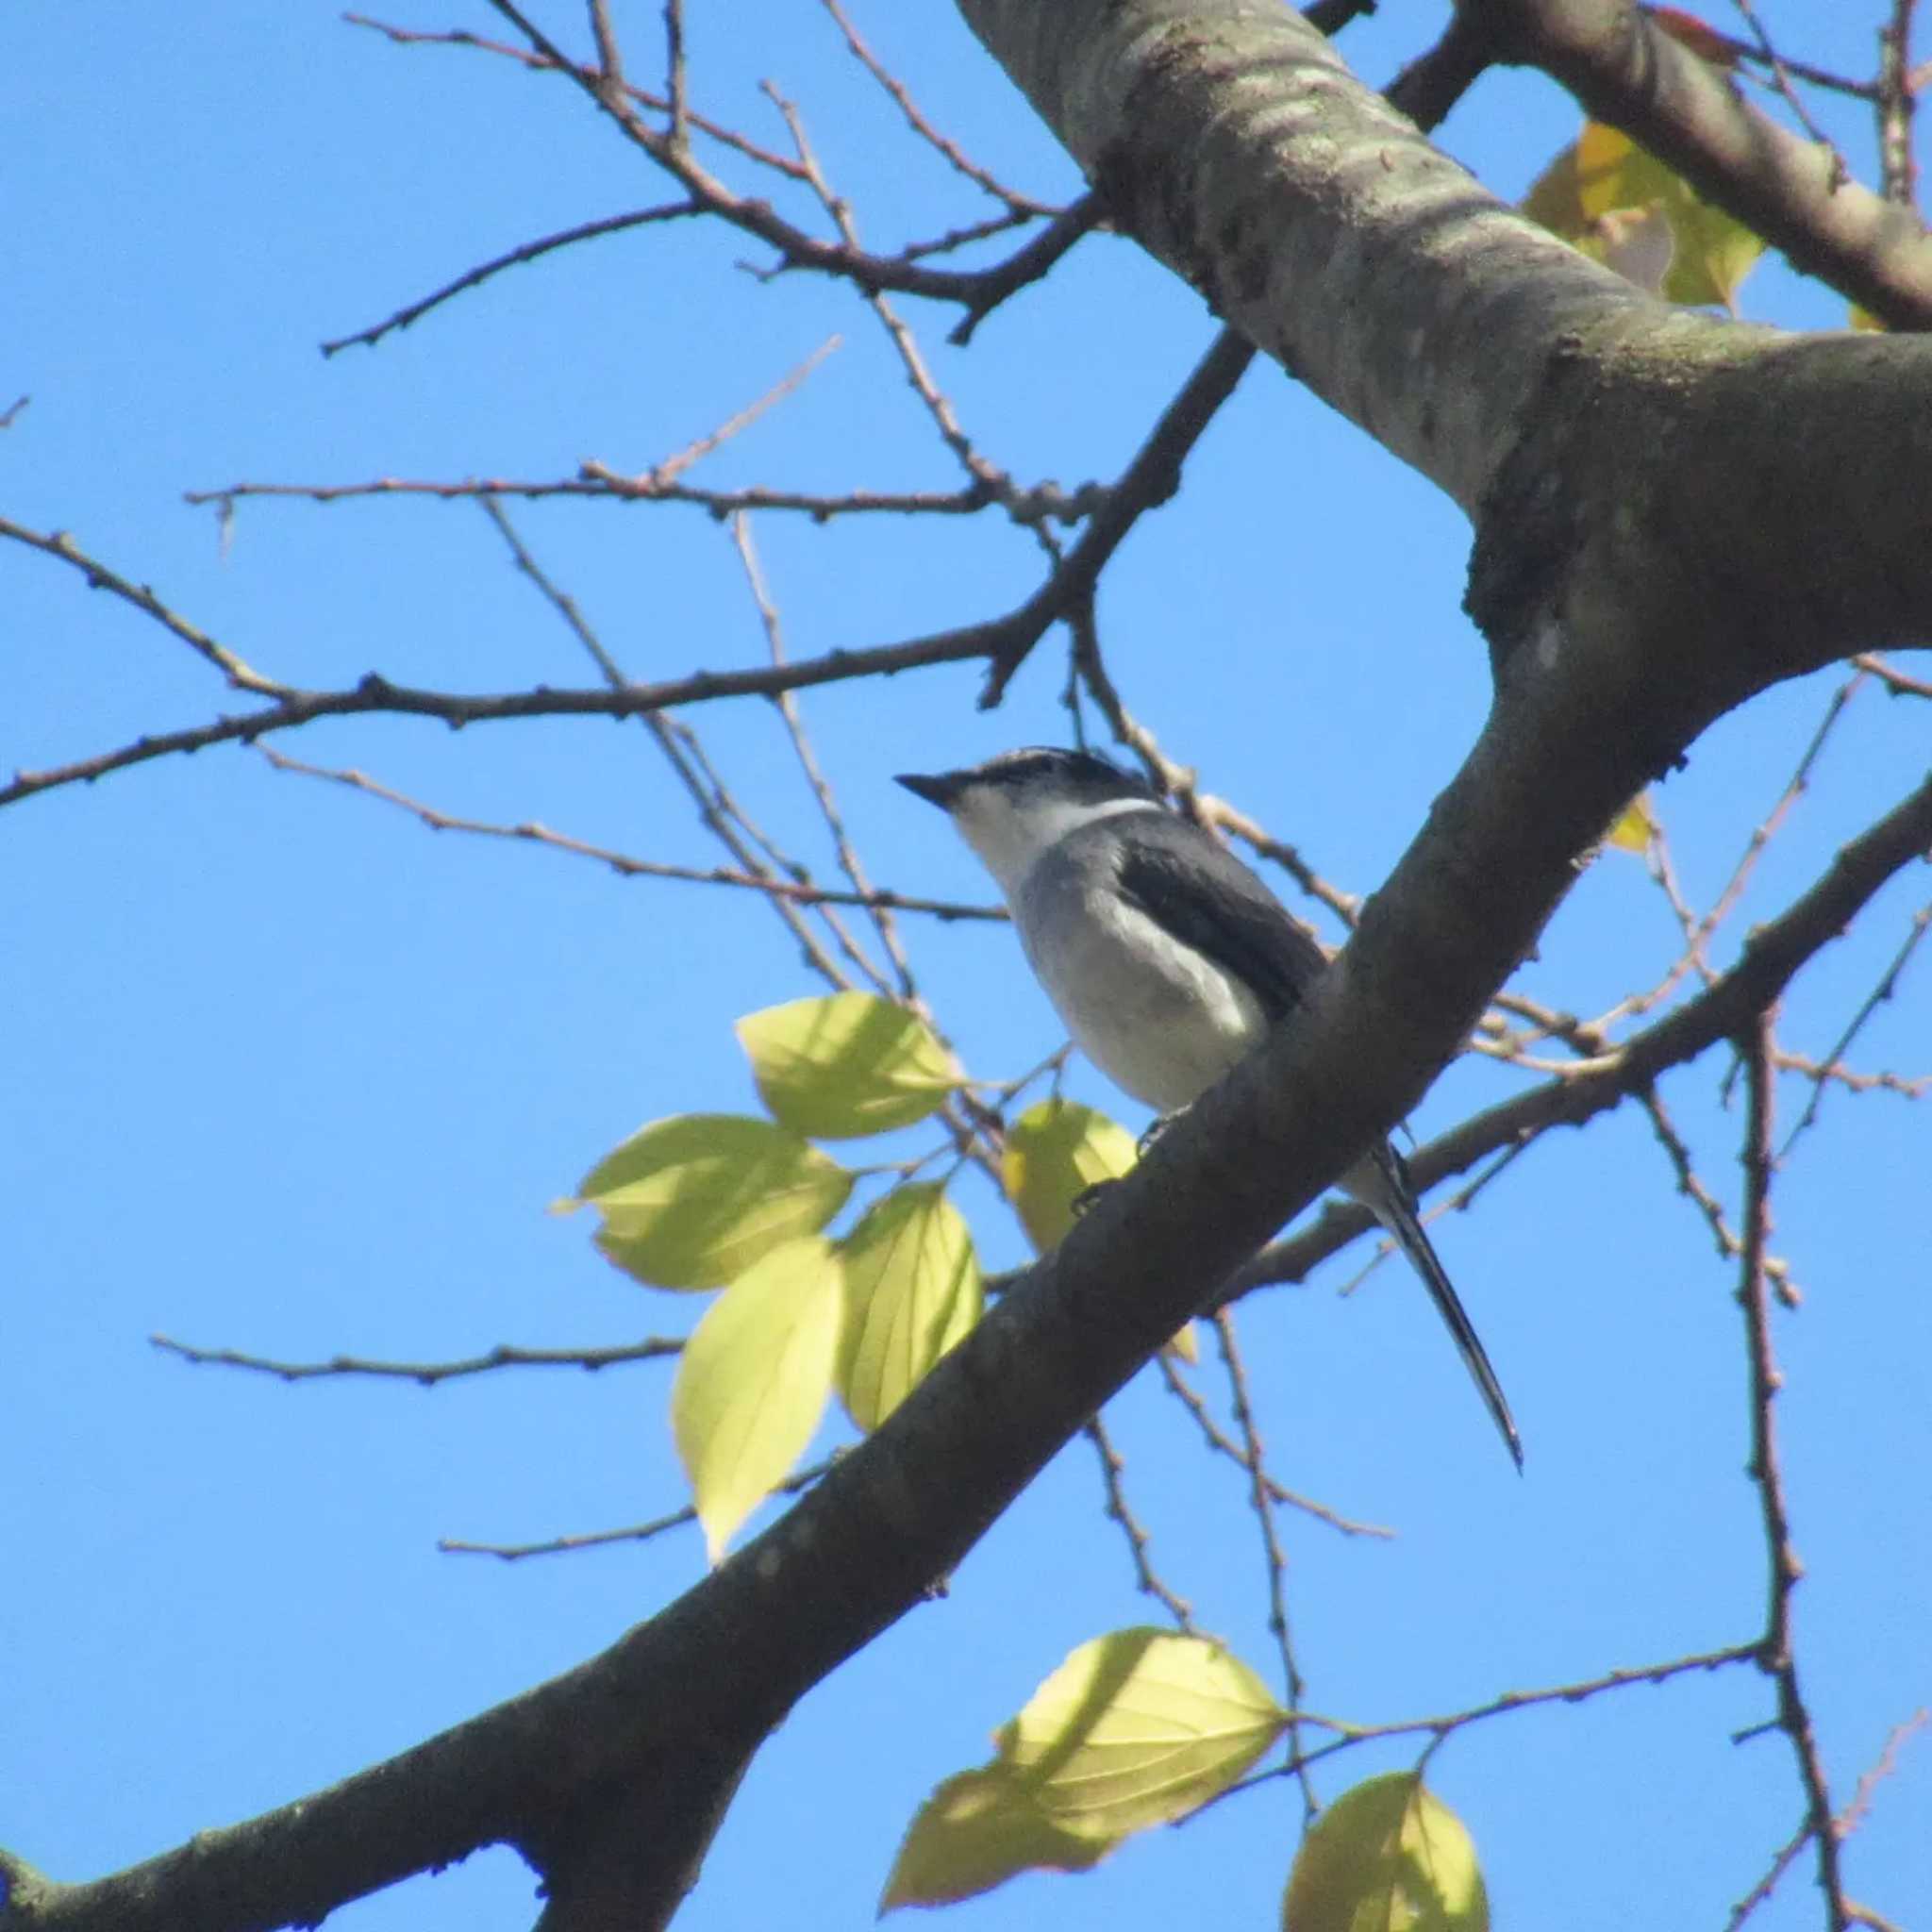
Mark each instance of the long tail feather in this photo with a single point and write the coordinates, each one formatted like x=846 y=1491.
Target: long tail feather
x=1394 y=1202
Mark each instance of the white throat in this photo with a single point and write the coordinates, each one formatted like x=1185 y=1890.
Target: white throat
x=1012 y=838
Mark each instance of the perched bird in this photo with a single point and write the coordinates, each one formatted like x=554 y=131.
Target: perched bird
x=1167 y=958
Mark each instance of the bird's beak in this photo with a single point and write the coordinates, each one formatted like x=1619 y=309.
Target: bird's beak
x=940 y=788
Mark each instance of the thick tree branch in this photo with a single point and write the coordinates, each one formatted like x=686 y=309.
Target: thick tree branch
x=1771 y=959
x=1641 y=475
x=1625 y=70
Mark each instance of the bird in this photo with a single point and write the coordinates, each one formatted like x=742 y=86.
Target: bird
x=1166 y=956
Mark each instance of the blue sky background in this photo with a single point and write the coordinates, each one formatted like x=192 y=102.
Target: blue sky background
x=287 y=1074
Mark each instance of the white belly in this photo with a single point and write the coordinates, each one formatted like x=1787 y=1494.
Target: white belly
x=1157 y=1017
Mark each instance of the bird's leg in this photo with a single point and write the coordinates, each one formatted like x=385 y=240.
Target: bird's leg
x=1155 y=1127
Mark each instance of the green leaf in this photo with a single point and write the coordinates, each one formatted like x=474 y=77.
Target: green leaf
x=912 y=1291
x=1137 y=1729
x=753 y=1379
x=1635 y=825
x=845 y=1065
x=1604 y=194
x=1387 y=1857
x=694 y=1201
x=978 y=1829
x=1054 y=1152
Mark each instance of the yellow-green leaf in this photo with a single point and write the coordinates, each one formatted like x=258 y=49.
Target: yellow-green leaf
x=753 y=1379
x=978 y=1829
x=1054 y=1152
x=1387 y=1857
x=694 y=1201
x=1604 y=194
x=912 y=1290
x=1635 y=825
x=848 y=1064
x=1139 y=1727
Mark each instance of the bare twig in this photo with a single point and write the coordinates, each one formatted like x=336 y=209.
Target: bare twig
x=1146 y=1578
x=1151 y=479
x=1897 y=106
x=1780 y=1864
x=503 y=1355
x=1348 y=1736
x=1894 y=680
x=849 y=862
x=599 y=482
x=624 y=863
x=1896 y=1739
x=1254 y=1459
x=528 y=251
x=1781 y=81
x=539 y=63
x=100 y=577
x=637 y=1533
x=1777 y=1657
x=1886 y=989
x=1221 y=1444
x=715 y=811
x=1770 y=957
x=1729 y=1246
x=376 y=694
x=950 y=151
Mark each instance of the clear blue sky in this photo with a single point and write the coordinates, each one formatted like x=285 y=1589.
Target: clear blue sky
x=287 y=1074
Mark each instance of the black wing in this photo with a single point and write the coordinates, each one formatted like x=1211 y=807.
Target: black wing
x=1194 y=887
x=1190 y=884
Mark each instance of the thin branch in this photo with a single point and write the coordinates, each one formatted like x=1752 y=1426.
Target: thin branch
x=1221 y=1444
x=1729 y=1246
x=901 y=985
x=985 y=474
x=1897 y=106
x=375 y=694
x=1351 y=1735
x=715 y=811
x=1275 y=1564
x=1770 y=959
x=1781 y=82
x=1894 y=680
x=1146 y=1578
x=100 y=577
x=675 y=466
x=1886 y=989
x=503 y=1355
x=541 y=63
x=1749 y=50
x=1428 y=88
x=1777 y=1657
x=950 y=151
x=624 y=863
x=1896 y=1739
x=598 y=482
x=1780 y=1864
x=1026 y=265
x=528 y=251
x=1693 y=117
x=636 y=1533
x=1151 y=479
x=676 y=75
